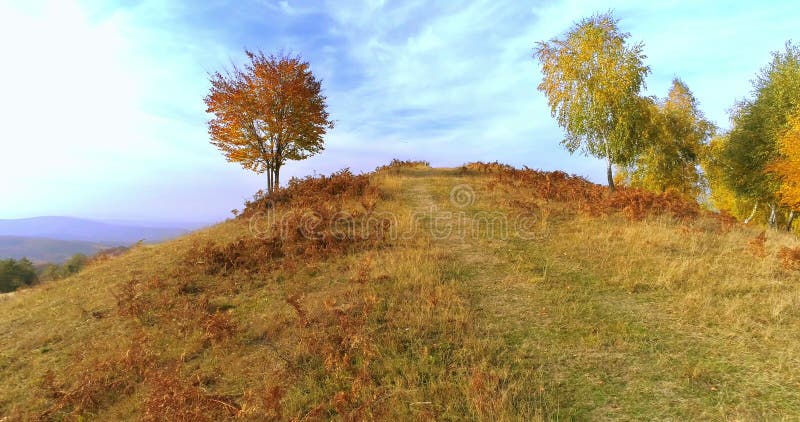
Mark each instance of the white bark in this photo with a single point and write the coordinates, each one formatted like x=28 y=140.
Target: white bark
x=752 y=214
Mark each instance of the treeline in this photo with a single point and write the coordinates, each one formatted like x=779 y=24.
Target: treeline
x=15 y=274
x=72 y=266
x=593 y=78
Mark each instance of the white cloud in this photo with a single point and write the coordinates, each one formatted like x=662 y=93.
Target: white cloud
x=103 y=114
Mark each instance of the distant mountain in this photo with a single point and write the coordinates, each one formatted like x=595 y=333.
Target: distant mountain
x=41 y=250
x=76 y=229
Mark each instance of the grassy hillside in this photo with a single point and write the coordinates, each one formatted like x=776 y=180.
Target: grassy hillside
x=415 y=293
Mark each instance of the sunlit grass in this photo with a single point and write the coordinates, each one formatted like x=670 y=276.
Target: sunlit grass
x=590 y=318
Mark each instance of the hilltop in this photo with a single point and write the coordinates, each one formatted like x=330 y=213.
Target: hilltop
x=482 y=292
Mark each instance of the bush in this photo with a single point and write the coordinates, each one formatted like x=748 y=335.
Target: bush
x=319 y=216
x=340 y=186
x=15 y=274
x=790 y=258
x=56 y=272
x=396 y=165
x=594 y=199
x=482 y=167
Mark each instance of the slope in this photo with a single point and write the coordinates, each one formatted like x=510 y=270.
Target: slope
x=480 y=293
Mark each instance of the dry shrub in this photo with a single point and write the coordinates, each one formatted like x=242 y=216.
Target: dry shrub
x=482 y=167
x=94 y=383
x=337 y=335
x=130 y=299
x=790 y=257
x=171 y=398
x=594 y=199
x=315 y=234
x=248 y=253
x=320 y=217
x=396 y=165
x=178 y=305
x=637 y=204
x=219 y=326
x=340 y=186
x=725 y=221
x=363 y=270
x=483 y=393
x=302 y=315
x=758 y=246
x=263 y=403
x=344 y=326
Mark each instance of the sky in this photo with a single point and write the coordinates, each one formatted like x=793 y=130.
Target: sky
x=101 y=101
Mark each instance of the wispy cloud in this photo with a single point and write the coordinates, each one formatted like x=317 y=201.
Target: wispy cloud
x=103 y=109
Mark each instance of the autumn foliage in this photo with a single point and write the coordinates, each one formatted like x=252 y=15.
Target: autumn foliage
x=185 y=305
x=267 y=113
x=592 y=79
x=788 y=167
x=312 y=217
x=590 y=198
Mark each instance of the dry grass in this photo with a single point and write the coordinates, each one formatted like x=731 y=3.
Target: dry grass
x=636 y=306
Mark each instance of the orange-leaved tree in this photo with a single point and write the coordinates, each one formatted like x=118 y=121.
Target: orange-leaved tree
x=788 y=166
x=268 y=112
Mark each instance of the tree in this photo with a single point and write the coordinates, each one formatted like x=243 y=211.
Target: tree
x=752 y=144
x=787 y=168
x=592 y=81
x=720 y=196
x=267 y=113
x=679 y=132
x=14 y=274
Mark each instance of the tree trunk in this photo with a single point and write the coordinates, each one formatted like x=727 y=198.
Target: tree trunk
x=277 y=180
x=752 y=214
x=269 y=181
x=790 y=222
x=611 y=186
x=773 y=217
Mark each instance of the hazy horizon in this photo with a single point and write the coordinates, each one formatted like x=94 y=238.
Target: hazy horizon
x=118 y=87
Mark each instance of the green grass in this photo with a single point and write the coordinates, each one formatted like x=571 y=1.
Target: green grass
x=592 y=318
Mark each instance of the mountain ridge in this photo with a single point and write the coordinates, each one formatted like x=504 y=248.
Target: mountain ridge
x=85 y=230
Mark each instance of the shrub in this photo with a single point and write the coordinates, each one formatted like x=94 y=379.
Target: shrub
x=758 y=246
x=594 y=199
x=171 y=398
x=396 y=165
x=340 y=186
x=95 y=382
x=15 y=274
x=482 y=167
x=790 y=257
x=317 y=217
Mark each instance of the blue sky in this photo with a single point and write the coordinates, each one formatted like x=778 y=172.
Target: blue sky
x=102 y=101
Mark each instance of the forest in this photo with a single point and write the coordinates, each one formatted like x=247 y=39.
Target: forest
x=593 y=79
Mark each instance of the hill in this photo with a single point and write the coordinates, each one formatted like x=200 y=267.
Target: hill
x=76 y=229
x=482 y=292
x=40 y=250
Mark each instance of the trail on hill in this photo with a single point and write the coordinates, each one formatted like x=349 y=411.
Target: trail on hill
x=467 y=315
x=570 y=325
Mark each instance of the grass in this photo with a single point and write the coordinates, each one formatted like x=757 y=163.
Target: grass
x=589 y=316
